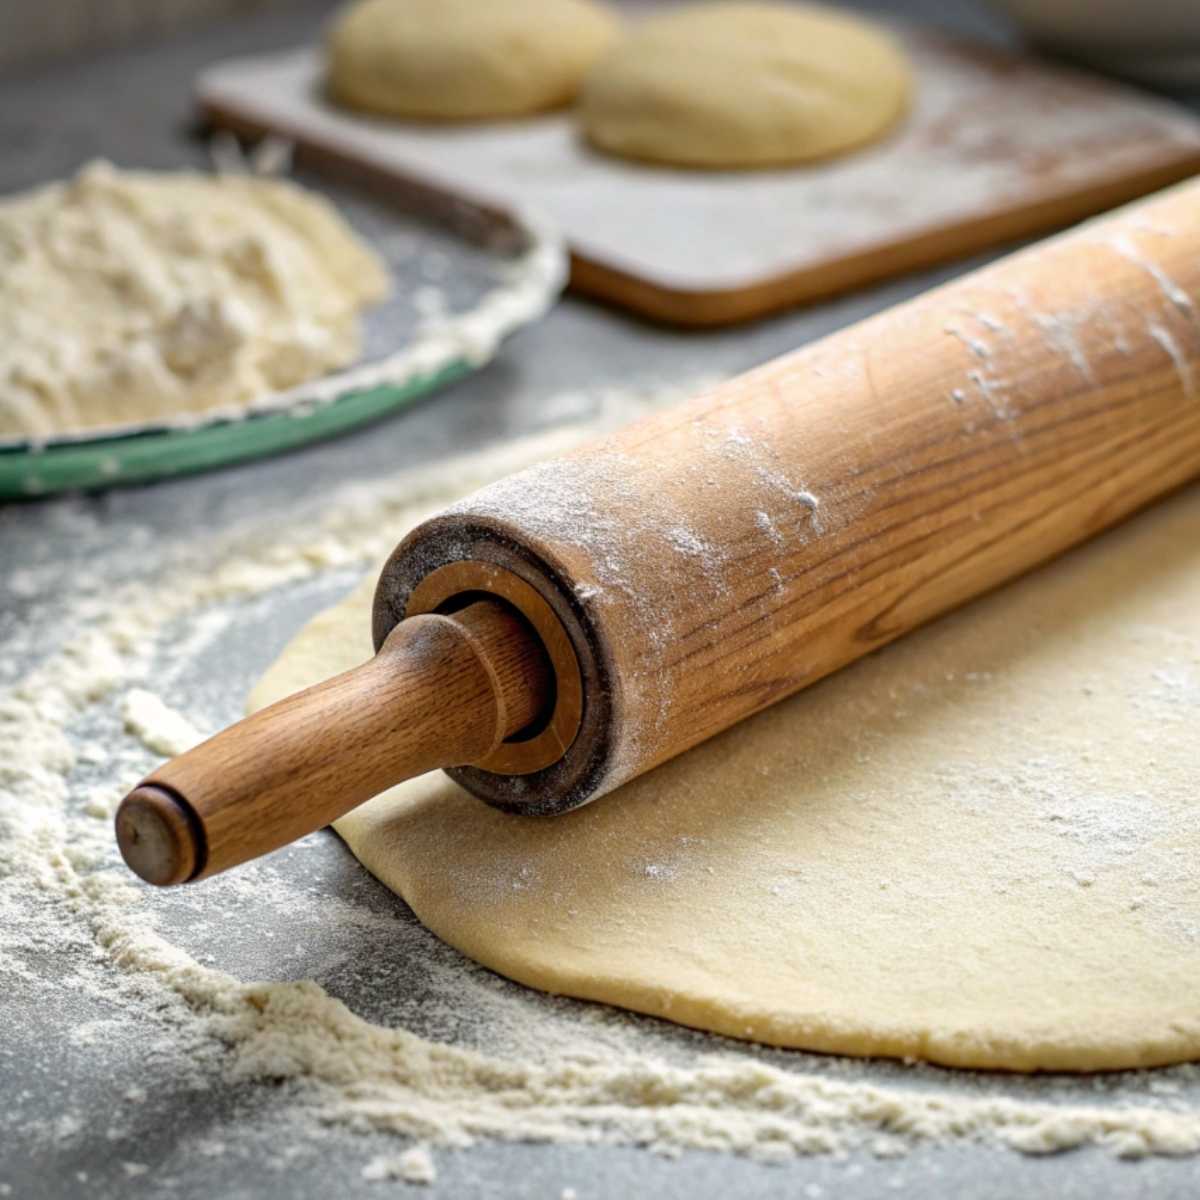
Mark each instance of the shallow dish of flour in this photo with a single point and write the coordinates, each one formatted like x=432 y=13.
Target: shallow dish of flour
x=460 y=285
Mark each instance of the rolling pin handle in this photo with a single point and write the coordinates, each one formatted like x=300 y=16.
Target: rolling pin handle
x=441 y=692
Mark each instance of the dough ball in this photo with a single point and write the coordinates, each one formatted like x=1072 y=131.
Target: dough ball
x=462 y=59
x=745 y=85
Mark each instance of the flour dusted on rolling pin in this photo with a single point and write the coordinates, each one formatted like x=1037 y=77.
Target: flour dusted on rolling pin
x=688 y=531
x=132 y=297
x=731 y=551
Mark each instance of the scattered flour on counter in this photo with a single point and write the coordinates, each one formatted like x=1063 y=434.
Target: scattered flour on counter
x=535 y=1069
x=413 y=1166
x=157 y=726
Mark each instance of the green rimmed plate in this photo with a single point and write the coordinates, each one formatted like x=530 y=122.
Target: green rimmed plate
x=459 y=289
x=31 y=471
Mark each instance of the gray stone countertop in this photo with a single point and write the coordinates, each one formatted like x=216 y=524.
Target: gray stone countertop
x=133 y=106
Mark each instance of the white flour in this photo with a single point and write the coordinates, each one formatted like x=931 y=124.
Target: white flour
x=499 y=1063
x=213 y=290
x=413 y=1166
x=157 y=727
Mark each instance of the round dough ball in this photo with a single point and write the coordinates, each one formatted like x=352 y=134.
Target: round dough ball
x=745 y=85
x=461 y=59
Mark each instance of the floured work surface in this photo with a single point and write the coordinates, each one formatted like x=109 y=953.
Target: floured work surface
x=290 y=1019
x=997 y=147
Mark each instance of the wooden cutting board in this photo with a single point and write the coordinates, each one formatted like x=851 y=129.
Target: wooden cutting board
x=997 y=147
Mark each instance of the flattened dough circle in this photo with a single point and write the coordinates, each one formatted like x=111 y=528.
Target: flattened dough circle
x=745 y=85
x=976 y=847
x=464 y=59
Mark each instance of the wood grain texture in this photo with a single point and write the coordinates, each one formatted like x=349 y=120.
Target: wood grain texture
x=722 y=555
x=710 y=560
x=441 y=691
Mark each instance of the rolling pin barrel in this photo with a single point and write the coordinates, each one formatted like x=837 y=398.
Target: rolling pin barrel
x=652 y=589
x=710 y=560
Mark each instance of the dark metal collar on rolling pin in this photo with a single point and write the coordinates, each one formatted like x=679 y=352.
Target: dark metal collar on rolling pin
x=694 y=568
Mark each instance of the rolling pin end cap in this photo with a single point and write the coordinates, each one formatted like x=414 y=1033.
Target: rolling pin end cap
x=157 y=836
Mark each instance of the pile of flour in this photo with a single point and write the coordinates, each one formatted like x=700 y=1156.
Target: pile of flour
x=505 y=1063
x=131 y=297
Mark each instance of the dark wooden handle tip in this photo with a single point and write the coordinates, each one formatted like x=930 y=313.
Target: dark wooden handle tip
x=158 y=837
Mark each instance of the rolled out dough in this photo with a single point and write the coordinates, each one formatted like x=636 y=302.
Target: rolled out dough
x=745 y=85
x=976 y=847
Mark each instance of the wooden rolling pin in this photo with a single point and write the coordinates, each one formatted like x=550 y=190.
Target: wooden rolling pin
x=574 y=625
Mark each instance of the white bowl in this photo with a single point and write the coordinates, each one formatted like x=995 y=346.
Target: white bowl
x=1154 y=40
